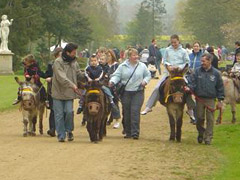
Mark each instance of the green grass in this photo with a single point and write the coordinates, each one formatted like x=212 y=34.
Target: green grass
x=227 y=142
x=8 y=92
x=224 y=63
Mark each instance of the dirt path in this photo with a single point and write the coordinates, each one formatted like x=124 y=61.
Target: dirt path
x=151 y=157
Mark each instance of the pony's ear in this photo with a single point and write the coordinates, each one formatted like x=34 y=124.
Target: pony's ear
x=18 y=81
x=185 y=69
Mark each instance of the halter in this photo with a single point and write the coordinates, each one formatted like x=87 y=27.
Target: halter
x=93 y=91
x=173 y=79
x=177 y=78
x=28 y=90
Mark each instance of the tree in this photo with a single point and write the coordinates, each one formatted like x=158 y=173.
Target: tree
x=141 y=29
x=157 y=9
x=102 y=15
x=204 y=19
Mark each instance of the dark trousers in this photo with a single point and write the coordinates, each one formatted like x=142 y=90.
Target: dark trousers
x=132 y=102
x=51 y=116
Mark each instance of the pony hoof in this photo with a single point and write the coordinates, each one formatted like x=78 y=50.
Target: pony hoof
x=178 y=140
x=25 y=134
x=171 y=139
x=41 y=132
x=32 y=133
x=95 y=142
x=233 y=121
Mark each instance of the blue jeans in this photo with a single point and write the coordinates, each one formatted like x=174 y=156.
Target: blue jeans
x=63 y=112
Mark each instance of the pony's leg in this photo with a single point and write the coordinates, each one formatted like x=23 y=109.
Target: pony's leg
x=95 y=131
x=233 y=107
x=25 y=123
x=172 y=127
x=90 y=129
x=179 y=126
x=34 y=122
x=220 y=114
x=41 y=112
x=102 y=128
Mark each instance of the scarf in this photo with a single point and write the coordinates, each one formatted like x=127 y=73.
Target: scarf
x=67 y=58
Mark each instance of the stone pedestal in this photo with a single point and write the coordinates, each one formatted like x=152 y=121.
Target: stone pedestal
x=6 y=63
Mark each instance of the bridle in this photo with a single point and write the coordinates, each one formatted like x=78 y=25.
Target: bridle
x=168 y=94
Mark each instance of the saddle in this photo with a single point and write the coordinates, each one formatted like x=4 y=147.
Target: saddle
x=161 y=92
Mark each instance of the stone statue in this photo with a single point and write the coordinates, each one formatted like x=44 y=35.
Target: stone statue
x=4 y=32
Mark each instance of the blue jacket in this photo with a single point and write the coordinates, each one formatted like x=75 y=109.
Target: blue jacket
x=195 y=59
x=125 y=70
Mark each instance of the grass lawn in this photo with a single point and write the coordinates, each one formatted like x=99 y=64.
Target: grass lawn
x=227 y=141
x=8 y=92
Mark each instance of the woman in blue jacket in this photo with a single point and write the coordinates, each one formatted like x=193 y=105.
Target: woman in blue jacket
x=195 y=56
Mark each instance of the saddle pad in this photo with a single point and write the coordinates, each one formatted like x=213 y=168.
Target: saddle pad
x=161 y=92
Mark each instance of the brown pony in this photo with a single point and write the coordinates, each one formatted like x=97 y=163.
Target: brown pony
x=31 y=107
x=96 y=111
x=172 y=96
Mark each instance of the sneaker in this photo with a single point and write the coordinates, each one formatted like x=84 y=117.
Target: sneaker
x=70 y=136
x=146 y=110
x=16 y=101
x=116 y=125
x=79 y=110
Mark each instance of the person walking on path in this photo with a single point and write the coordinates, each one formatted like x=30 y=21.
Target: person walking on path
x=134 y=75
x=207 y=84
x=65 y=90
x=49 y=75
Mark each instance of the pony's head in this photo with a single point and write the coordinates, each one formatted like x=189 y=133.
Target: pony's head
x=175 y=85
x=28 y=91
x=94 y=98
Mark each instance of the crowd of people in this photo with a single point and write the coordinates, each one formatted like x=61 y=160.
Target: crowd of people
x=130 y=71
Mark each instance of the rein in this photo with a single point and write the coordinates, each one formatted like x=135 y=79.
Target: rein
x=202 y=101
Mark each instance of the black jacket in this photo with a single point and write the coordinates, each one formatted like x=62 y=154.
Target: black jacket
x=207 y=84
x=94 y=72
x=215 y=61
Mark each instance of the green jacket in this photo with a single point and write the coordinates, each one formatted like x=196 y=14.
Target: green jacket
x=64 y=79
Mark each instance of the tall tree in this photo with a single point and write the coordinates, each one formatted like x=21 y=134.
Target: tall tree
x=141 y=30
x=205 y=18
x=157 y=9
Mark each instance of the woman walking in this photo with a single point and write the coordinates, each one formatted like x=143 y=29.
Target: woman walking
x=134 y=75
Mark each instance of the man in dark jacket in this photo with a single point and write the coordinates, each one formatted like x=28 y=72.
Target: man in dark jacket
x=49 y=74
x=207 y=84
x=215 y=58
x=237 y=45
x=152 y=52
